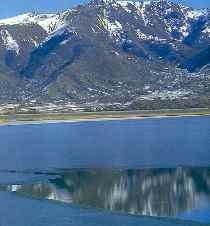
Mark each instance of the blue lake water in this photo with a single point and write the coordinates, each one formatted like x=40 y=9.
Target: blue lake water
x=111 y=144
x=152 y=167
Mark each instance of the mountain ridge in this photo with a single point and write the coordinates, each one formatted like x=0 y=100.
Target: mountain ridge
x=106 y=52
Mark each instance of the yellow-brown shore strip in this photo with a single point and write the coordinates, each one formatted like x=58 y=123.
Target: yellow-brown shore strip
x=116 y=115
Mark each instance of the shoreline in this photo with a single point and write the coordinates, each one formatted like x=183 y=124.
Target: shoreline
x=97 y=118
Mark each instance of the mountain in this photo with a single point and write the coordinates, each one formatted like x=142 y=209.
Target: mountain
x=108 y=52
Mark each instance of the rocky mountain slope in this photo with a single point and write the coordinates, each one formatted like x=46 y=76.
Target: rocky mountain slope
x=107 y=52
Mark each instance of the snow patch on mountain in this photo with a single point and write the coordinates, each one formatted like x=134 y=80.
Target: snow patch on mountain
x=47 y=21
x=62 y=34
x=35 y=42
x=184 y=30
x=207 y=31
x=9 y=42
x=142 y=13
x=139 y=5
x=59 y=30
x=134 y=3
x=194 y=14
x=113 y=27
x=20 y=19
x=124 y=5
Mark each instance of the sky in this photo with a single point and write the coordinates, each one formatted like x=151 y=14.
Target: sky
x=9 y=8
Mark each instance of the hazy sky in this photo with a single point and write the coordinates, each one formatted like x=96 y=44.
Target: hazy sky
x=10 y=8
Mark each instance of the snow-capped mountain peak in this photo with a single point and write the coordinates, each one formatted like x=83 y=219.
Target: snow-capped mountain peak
x=100 y=48
x=46 y=21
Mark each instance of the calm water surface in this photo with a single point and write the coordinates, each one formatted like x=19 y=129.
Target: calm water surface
x=153 y=167
x=151 y=192
x=111 y=144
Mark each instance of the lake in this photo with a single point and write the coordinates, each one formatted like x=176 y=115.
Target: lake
x=110 y=170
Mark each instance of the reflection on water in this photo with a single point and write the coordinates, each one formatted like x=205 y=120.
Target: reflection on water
x=155 y=192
